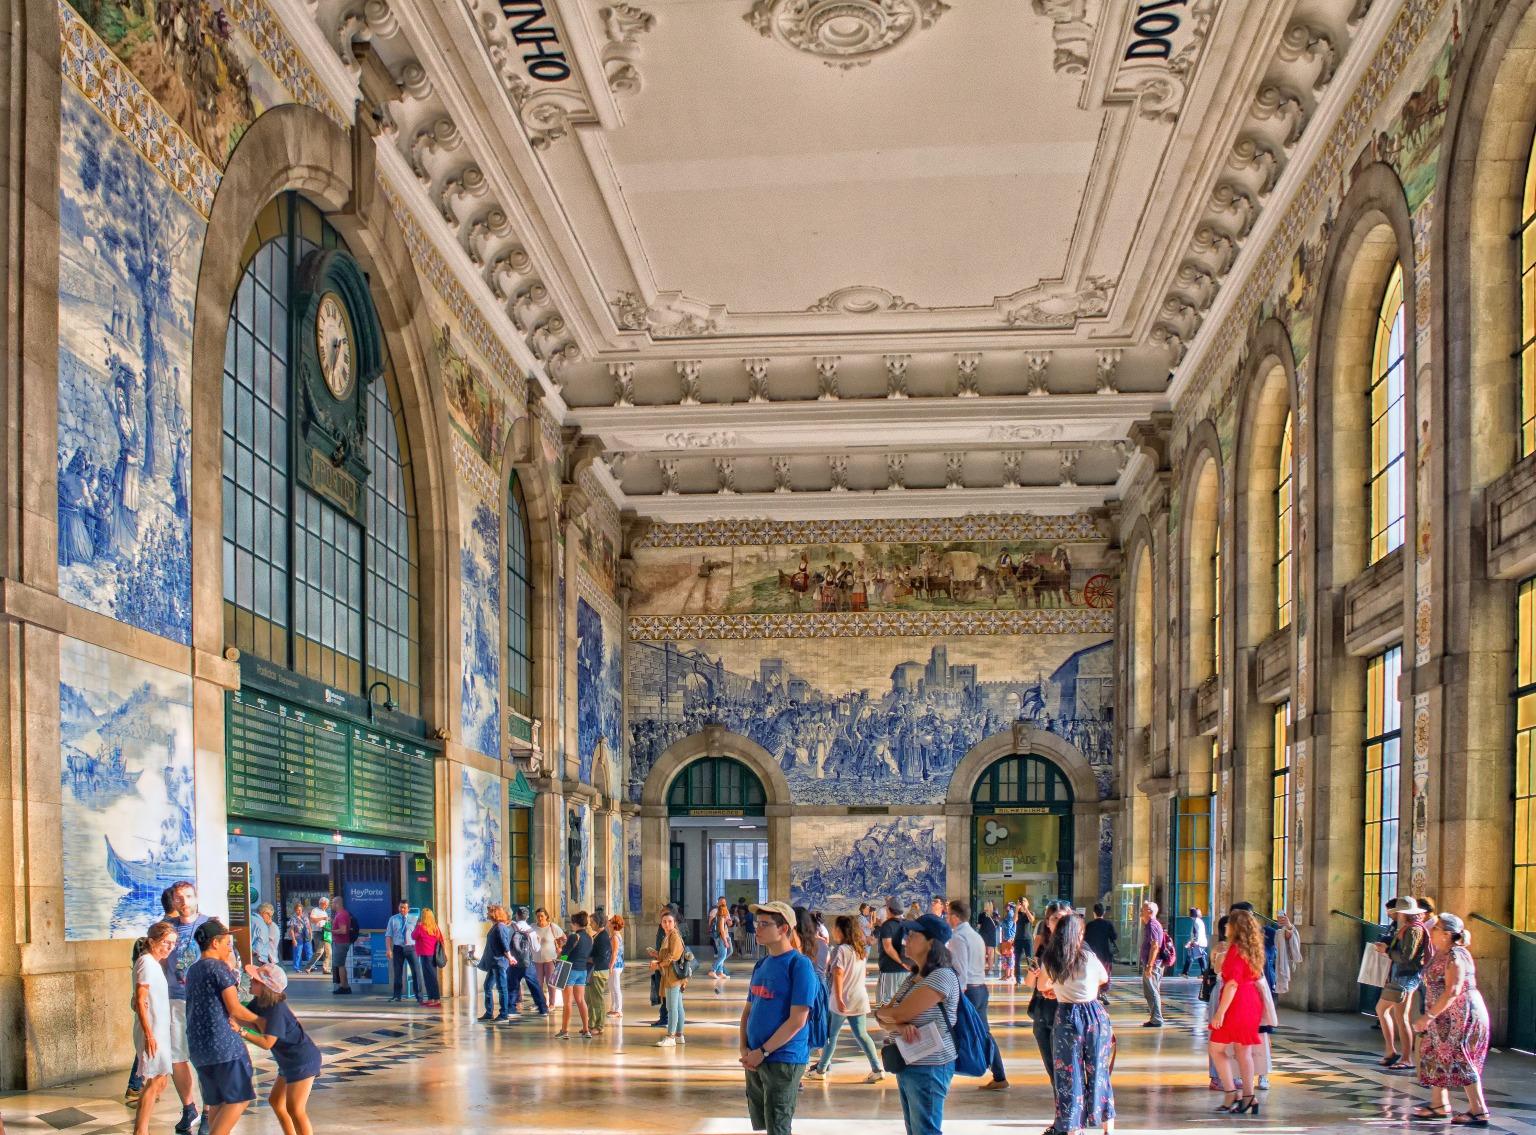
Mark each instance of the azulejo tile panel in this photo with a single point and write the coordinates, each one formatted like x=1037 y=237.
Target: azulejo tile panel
x=599 y=692
x=886 y=722
x=838 y=862
x=128 y=804
x=480 y=639
x=875 y=624
x=128 y=248
x=478 y=849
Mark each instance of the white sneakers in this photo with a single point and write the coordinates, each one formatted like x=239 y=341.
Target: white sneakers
x=671 y=1041
x=874 y=1077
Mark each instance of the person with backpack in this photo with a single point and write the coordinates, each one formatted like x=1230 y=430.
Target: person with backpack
x=1157 y=954
x=524 y=970
x=921 y=1013
x=967 y=949
x=496 y=963
x=671 y=963
x=848 y=995
x=1082 y=1041
x=778 y=1021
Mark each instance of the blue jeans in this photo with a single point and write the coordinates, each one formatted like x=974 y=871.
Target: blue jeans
x=722 y=951
x=303 y=954
x=496 y=979
x=923 y=1088
x=859 y=1026
x=517 y=977
x=674 y=1001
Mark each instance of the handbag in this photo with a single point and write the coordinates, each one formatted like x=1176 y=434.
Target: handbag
x=562 y=972
x=891 y=1058
x=1375 y=967
x=440 y=955
x=1207 y=984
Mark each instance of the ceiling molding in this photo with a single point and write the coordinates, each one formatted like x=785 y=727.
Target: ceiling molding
x=913 y=503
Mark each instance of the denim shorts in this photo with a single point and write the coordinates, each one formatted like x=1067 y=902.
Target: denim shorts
x=1401 y=988
x=577 y=978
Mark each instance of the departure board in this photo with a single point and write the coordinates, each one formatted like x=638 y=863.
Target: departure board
x=292 y=765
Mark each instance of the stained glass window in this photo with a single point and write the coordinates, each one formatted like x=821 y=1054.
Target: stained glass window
x=1280 y=814
x=1388 y=383
x=1525 y=758
x=1527 y=239
x=1284 y=531
x=1383 y=762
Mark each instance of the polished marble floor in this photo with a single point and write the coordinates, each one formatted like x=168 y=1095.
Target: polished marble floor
x=395 y=1070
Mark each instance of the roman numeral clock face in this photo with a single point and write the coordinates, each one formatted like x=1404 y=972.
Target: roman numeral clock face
x=333 y=340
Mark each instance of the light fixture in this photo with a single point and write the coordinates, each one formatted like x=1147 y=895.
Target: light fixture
x=389 y=698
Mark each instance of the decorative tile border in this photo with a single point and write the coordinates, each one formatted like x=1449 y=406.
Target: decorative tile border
x=90 y=66
x=592 y=591
x=473 y=471
x=877 y=624
x=602 y=503
x=431 y=264
x=1402 y=40
x=270 y=40
x=988 y=527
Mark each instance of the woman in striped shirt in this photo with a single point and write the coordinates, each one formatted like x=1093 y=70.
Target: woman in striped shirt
x=928 y=997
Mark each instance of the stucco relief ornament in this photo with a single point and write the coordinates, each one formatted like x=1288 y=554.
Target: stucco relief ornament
x=1056 y=304
x=844 y=33
x=861 y=299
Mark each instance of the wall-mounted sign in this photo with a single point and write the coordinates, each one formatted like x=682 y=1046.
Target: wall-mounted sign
x=1160 y=49
x=537 y=39
x=1154 y=27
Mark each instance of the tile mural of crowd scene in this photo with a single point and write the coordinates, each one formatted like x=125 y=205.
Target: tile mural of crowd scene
x=128 y=805
x=479 y=849
x=870 y=577
x=599 y=689
x=838 y=862
x=871 y=720
x=615 y=900
x=128 y=249
x=632 y=853
x=480 y=621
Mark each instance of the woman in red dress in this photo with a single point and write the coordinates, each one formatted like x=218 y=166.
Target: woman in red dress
x=1236 y=1019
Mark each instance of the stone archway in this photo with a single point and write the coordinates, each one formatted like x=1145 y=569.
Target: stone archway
x=711 y=741
x=1026 y=740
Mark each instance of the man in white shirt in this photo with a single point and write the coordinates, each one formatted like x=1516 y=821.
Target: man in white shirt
x=1195 y=950
x=969 y=953
x=402 y=951
x=320 y=929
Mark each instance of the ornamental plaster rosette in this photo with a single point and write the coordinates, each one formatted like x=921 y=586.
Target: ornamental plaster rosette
x=844 y=33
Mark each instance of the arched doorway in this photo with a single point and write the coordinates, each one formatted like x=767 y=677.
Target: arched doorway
x=714 y=820
x=1023 y=832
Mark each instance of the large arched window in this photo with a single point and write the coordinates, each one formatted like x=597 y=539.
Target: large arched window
x=306 y=586
x=717 y=785
x=1216 y=600
x=519 y=614
x=1284 y=530
x=1387 y=426
x=1527 y=238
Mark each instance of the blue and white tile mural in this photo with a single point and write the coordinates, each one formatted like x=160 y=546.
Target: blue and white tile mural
x=615 y=899
x=632 y=851
x=479 y=613
x=859 y=720
x=560 y=671
x=599 y=690
x=128 y=252
x=479 y=847
x=128 y=801
x=837 y=862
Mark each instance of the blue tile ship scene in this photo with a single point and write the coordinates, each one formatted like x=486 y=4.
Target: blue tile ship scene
x=129 y=819
x=480 y=620
x=599 y=687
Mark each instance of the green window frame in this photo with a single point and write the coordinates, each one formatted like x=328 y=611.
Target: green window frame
x=1280 y=814
x=1525 y=758
x=520 y=855
x=718 y=784
x=305 y=586
x=519 y=613
x=1383 y=766
x=1023 y=782
x=1385 y=490
x=1192 y=832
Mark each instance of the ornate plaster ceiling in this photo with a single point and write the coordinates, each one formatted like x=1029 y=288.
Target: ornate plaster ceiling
x=848 y=240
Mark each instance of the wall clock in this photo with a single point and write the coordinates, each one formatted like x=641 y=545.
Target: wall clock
x=333 y=340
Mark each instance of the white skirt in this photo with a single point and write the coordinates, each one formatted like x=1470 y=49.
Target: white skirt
x=160 y=1063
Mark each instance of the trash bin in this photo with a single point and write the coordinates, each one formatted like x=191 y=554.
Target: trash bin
x=469 y=979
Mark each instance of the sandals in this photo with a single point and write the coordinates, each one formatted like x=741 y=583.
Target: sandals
x=1470 y=1119
x=1424 y=1111
x=1400 y=1066
x=1389 y=1059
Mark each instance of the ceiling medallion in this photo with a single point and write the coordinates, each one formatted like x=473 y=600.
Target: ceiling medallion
x=845 y=33
x=861 y=299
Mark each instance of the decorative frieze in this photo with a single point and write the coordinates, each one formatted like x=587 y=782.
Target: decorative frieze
x=872 y=624
x=984 y=527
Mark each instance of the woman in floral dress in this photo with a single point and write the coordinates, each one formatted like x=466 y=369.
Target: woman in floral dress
x=1082 y=1041
x=1454 y=1026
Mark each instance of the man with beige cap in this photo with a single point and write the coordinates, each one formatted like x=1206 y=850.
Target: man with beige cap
x=774 y=1038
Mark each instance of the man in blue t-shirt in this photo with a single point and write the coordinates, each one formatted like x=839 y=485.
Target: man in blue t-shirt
x=775 y=1040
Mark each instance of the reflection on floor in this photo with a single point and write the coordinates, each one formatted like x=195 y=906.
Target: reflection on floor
x=404 y=1071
